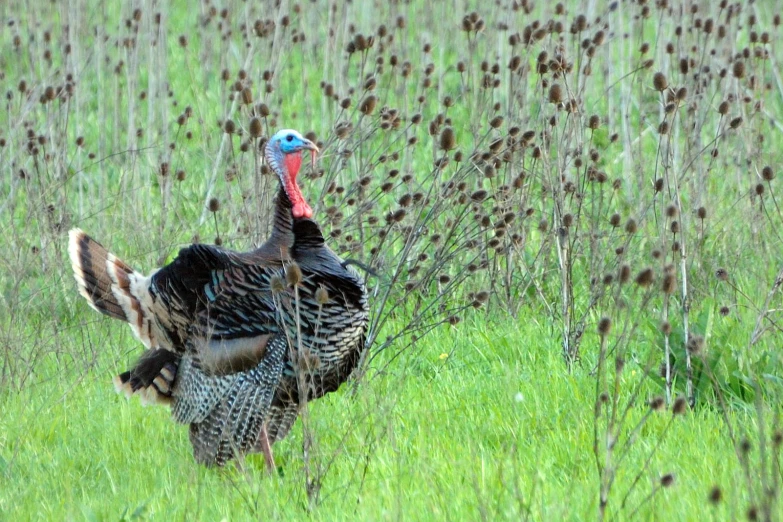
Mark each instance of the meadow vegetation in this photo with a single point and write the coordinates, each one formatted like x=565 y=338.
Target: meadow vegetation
x=571 y=211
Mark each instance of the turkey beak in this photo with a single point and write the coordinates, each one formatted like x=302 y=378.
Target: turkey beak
x=309 y=145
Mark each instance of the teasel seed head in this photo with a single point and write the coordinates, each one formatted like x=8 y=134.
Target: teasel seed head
x=479 y=195
x=214 y=205
x=247 y=96
x=738 y=69
x=624 y=274
x=669 y=285
x=293 y=274
x=659 y=82
x=667 y=480
x=276 y=284
x=604 y=326
x=657 y=403
x=447 y=139
x=666 y=328
x=255 y=127
x=680 y=406
x=555 y=93
x=695 y=344
x=645 y=277
x=321 y=296
x=767 y=174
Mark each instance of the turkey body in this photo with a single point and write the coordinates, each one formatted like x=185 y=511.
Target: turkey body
x=232 y=337
x=236 y=340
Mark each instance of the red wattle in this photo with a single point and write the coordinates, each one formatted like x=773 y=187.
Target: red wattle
x=293 y=162
x=300 y=208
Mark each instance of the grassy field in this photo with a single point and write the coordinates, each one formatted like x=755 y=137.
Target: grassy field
x=495 y=430
x=573 y=213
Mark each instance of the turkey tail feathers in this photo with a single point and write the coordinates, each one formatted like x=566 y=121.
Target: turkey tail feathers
x=90 y=261
x=110 y=286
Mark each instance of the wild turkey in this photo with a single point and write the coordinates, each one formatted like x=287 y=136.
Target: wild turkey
x=223 y=329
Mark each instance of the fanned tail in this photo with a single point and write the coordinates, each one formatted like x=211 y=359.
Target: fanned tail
x=113 y=288
x=100 y=276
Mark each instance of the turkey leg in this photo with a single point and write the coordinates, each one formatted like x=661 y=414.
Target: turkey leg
x=266 y=448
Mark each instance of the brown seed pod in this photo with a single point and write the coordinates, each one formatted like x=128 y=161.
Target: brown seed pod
x=624 y=274
x=276 y=284
x=293 y=274
x=479 y=195
x=367 y=107
x=660 y=83
x=645 y=277
x=555 y=93
x=247 y=96
x=321 y=296
x=695 y=344
x=214 y=205
x=738 y=69
x=604 y=326
x=255 y=128
x=447 y=140
x=680 y=406
x=666 y=328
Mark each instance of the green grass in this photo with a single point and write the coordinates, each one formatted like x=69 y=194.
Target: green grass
x=492 y=430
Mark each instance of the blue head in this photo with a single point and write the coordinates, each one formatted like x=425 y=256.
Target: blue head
x=284 y=156
x=291 y=141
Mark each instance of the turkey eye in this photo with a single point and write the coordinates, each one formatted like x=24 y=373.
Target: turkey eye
x=289 y=138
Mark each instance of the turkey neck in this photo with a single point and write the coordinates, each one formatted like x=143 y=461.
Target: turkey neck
x=280 y=241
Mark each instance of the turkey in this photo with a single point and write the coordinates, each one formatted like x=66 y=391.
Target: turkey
x=225 y=331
